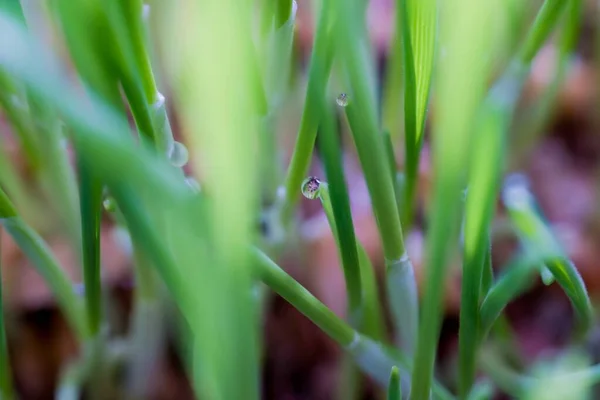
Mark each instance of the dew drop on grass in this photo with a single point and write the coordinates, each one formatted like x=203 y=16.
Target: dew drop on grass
x=516 y=192
x=178 y=155
x=310 y=187
x=109 y=204
x=342 y=100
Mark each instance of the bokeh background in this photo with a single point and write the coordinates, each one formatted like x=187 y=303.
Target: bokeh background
x=300 y=362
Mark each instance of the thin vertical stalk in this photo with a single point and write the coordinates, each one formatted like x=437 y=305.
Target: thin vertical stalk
x=318 y=72
x=90 y=208
x=362 y=118
x=394 y=387
x=338 y=207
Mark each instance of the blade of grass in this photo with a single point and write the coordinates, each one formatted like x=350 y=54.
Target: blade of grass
x=465 y=33
x=336 y=202
x=373 y=358
x=42 y=259
x=394 y=388
x=318 y=72
x=362 y=118
x=515 y=279
x=223 y=134
x=529 y=131
x=484 y=177
x=90 y=209
x=419 y=24
x=393 y=89
x=535 y=233
x=6 y=387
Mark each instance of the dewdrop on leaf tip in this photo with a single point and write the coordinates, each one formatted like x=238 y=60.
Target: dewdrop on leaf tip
x=310 y=187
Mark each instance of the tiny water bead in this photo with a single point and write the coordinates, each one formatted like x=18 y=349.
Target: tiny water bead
x=516 y=192
x=310 y=187
x=342 y=100
x=179 y=155
x=109 y=204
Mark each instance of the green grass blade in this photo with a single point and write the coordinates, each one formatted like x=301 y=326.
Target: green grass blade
x=6 y=387
x=90 y=208
x=393 y=89
x=375 y=359
x=341 y=225
x=318 y=73
x=465 y=32
x=535 y=233
x=222 y=136
x=543 y=25
x=394 y=388
x=362 y=117
x=484 y=177
x=528 y=132
x=516 y=279
x=45 y=263
x=419 y=22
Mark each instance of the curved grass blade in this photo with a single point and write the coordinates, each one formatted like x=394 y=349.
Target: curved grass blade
x=534 y=233
x=514 y=281
x=42 y=259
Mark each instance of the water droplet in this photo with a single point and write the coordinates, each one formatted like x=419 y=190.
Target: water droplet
x=342 y=100
x=516 y=192
x=178 y=155
x=109 y=204
x=547 y=276
x=192 y=184
x=310 y=187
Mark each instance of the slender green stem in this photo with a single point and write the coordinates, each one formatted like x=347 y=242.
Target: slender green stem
x=318 y=73
x=91 y=208
x=513 y=282
x=6 y=388
x=336 y=202
x=299 y=297
x=394 y=387
x=362 y=118
x=543 y=25
x=372 y=357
